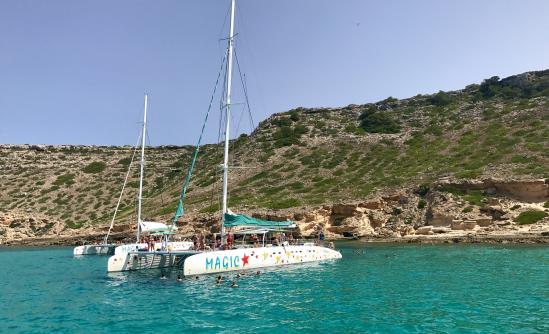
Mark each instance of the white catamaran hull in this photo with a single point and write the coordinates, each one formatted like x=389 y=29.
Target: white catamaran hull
x=147 y=260
x=253 y=258
x=94 y=250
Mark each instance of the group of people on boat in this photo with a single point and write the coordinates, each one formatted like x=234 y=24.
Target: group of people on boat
x=150 y=241
x=201 y=241
x=204 y=241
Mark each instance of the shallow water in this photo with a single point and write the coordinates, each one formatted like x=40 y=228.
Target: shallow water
x=374 y=288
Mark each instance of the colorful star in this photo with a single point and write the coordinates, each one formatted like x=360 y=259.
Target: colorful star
x=277 y=259
x=245 y=260
x=265 y=255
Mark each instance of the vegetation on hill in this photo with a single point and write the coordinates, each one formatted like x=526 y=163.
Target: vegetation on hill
x=530 y=217
x=304 y=156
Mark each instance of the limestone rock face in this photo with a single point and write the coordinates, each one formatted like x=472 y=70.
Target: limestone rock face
x=377 y=219
x=522 y=190
x=425 y=230
x=393 y=215
x=464 y=225
x=527 y=190
x=441 y=218
x=372 y=205
x=346 y=210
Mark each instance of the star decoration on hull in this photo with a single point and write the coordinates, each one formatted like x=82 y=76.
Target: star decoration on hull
x=245 y=259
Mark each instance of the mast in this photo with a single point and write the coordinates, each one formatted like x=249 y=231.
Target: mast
x=227 y=120
x=143 y=136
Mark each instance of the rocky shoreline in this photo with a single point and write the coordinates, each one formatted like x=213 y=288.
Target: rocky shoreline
x=485 y=211
x=521 y=238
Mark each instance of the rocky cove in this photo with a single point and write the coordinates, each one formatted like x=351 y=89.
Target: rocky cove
x=446 y=211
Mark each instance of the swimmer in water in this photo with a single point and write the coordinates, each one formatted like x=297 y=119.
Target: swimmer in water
x=179 y=278
x=258 y=273
x=163 y=276
x=234 y=285
x=196 y=277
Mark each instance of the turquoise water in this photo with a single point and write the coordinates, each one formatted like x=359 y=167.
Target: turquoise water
x=374 y=289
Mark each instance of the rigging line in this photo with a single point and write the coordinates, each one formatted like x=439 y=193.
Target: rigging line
x=123 y=187
x=222 y=30
x=239 y=122
x=245 y=89
x=156 y=166
x=179 y=212
x=219 y=134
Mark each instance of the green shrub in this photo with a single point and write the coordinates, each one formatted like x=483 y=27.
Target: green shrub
x=294 y=116
x=546 y=204
x=66 y=179
x=124 y=161
x=373 y=121
x=284 y=203
x=353 y=129
x=467 y=209
x=440 y=99
x=421 y=204
x=288 y=136
x=95 y=167
x=422 y=190
x=530 y=217
x=474 y=197
x=514 y=207
x=520 y=159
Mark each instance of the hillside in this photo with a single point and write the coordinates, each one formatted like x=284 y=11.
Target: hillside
x=300 y=160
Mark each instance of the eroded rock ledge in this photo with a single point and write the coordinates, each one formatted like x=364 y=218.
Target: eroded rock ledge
x=447 y=211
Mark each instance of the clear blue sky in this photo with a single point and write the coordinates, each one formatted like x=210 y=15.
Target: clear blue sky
x=74 y=72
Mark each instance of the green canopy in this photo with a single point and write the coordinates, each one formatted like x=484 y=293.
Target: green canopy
x=232 y=220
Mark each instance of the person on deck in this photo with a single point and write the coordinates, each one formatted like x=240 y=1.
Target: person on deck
x=321 y=237
x=255 y=240
x=230 y=240
x=201 y=240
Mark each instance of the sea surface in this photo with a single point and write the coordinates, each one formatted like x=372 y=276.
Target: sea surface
x=373 y=289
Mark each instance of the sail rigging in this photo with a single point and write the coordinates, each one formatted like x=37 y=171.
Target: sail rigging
x=122 y=192
x=180 y=205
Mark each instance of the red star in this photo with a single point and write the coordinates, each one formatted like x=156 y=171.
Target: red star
x=245 y=260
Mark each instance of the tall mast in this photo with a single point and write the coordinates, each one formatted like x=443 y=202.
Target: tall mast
x=143 y=136
x=227 y=119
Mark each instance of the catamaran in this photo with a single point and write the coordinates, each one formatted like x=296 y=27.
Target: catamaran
x=270 y=252
x=150 y=229
x=157 y=233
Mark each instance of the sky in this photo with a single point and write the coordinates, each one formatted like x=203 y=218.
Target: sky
x=75 y=72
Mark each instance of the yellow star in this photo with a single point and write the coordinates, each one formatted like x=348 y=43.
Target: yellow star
x=265 y=255
x=288 y=254
x=277 y=258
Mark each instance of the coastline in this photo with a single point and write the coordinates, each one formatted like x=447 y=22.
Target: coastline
x=449 y=238
x=468 y=239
